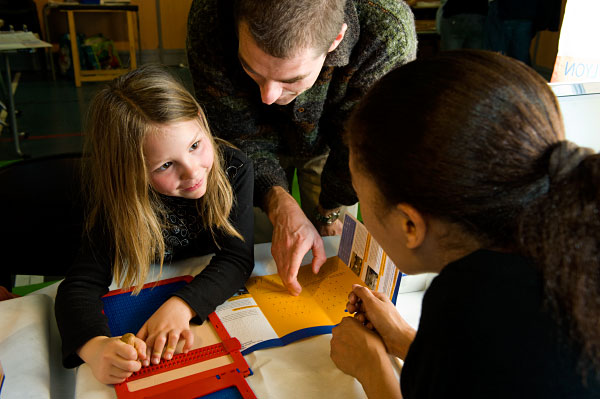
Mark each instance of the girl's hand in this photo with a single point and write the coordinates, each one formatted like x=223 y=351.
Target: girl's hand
x=169 y=324
x=376 y=312
x=360 y=352
x=111 y=360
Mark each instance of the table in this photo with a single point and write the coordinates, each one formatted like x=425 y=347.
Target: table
x=302 y=369
x=11 y=42
x=30 y=350
x=70 y=9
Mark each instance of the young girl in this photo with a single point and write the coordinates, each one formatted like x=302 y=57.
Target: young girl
x=159 y=188
x=461 y=168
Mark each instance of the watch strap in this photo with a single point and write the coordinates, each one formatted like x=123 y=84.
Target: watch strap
x=329 y=218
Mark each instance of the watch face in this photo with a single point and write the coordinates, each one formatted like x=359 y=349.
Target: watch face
x=329 y=219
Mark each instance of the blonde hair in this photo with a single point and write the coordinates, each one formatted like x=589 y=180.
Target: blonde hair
x=120 y=198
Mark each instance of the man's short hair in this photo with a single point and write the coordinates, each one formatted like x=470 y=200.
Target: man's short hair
x=282 y=28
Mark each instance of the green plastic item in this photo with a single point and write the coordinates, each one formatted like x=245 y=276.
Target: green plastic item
x=28 y=289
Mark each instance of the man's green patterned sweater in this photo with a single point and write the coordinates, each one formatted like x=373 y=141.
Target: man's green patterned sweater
x=380 y=37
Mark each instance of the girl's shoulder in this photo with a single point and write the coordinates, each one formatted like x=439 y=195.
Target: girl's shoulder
x=234 y=160
x=232 y=153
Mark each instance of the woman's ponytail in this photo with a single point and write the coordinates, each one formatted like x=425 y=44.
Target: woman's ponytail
x=561 y=232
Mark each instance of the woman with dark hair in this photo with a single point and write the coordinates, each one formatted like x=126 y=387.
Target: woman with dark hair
x=461 y=168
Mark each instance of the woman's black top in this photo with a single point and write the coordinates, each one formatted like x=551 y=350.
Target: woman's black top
x=485 y=332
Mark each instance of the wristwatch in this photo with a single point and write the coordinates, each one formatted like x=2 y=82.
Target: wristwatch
x=329 y=218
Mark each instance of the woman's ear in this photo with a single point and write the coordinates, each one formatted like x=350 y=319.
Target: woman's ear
x=413 y=225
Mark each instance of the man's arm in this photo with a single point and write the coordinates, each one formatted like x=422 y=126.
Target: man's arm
x=232 y=103
x=387 y=40
x=293 y=236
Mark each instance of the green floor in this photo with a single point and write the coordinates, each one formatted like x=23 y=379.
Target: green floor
x=4 y=163
x=27 y=289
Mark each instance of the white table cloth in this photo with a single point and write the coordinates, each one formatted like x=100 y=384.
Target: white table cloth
x=30 y=348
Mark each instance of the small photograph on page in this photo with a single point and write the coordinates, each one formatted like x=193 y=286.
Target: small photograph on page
x=356 y=263
x=371 y=278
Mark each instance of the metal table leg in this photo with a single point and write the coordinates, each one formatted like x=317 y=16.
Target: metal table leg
x=49 y=56
x=11 y=106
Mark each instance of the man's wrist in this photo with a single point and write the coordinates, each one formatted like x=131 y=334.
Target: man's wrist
x=327 y=216
x=277 y=198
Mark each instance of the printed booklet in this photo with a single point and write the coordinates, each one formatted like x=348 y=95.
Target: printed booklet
x=265 y=315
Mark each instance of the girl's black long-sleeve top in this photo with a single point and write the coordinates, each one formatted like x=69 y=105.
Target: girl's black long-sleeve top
x=78 y=305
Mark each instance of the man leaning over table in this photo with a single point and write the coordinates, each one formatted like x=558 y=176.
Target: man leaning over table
x=278 y=78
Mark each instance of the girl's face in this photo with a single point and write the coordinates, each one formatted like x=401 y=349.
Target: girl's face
x=179 y=157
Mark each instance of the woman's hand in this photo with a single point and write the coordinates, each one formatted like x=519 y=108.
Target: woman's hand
x=377 y=312
x=111 y=360
x=167 y=326
x=360 y=352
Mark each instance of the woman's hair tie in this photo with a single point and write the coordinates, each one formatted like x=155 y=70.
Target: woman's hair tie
x=565 y=157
